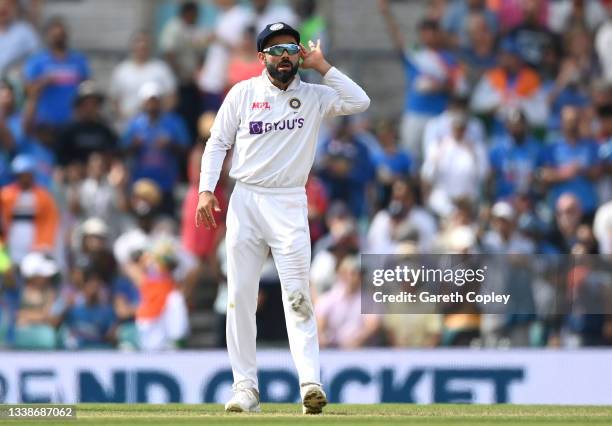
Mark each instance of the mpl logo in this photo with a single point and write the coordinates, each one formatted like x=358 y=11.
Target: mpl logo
x=261 y=105
x=259 y=127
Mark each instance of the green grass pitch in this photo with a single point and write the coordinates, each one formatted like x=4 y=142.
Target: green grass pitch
x=335 y=414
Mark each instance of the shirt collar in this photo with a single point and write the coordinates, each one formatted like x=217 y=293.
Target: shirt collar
x=292 y=86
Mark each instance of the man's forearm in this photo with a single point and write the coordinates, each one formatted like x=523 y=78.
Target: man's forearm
x=212 y=163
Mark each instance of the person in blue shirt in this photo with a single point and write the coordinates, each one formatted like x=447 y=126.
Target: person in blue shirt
x=156 y=143
x=515 y=157
x=346 y=169
x=26 y=137
x=89 y=320
x=571 y=165
x=432 y=75
x=53 y=75
x=390 y=163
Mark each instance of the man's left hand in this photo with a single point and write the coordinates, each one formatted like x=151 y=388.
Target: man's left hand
x=313 y=58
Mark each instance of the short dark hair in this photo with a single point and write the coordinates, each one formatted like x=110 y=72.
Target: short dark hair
x=188 y=6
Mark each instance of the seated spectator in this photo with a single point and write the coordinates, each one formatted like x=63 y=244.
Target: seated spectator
x=18 y=38
x=511 y=85
x=92 y=248
x=35 y=322
x=244 y=63
x=346 y=169
x=441 y=127
x=161 y=318
x=432 y=75
x=340 y=321
x=30 y=217
x=391 y=164
x=503 y=237
x=602 y=228
x=479 y=55
x=532 y=36
x=603 y=38
x=571 y=83
x=402 y=210
x=572 y=165
x=318 y=202
x=129 y=77
x=569 y=216
x=87 y=132
x=569 y=14
x=515 y=157
x=53 y=76
x=456 y=167
x=101 y=194
x=155 y=142
x=88 y=319
x=512 y=13
x=604 y=186
x=458 y=13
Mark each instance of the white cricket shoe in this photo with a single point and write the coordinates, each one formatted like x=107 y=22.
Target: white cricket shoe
x=244 y=401
x=313 y=398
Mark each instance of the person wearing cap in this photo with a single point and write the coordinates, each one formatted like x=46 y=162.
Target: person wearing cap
x=510 y=85
x=432 y=75
x=30 y=216
x=36 y=320
x=87 y=132
x=156 y=142
x=503 y=238
x=272 y=121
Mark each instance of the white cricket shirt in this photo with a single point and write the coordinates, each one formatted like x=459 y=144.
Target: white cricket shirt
x=275 y=131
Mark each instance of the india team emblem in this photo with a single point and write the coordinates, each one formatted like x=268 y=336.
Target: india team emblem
x=276 y=27
x=295 y=103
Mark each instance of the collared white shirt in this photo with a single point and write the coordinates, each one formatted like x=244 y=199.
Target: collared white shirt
x=273 y=131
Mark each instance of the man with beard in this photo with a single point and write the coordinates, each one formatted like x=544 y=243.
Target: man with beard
x=273 y=120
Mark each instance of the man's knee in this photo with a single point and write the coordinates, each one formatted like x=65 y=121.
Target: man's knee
x=300 y=305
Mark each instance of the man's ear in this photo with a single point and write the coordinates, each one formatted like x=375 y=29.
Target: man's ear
x=262 y=58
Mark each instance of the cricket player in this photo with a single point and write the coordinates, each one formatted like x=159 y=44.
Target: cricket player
x=273 y=122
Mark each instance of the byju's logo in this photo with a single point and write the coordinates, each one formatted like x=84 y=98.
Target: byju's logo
x=256 y=127
x=259 y=127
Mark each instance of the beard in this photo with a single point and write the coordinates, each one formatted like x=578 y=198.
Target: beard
x=282 y=76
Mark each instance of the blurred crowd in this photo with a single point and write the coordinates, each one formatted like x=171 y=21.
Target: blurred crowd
x=504 y=146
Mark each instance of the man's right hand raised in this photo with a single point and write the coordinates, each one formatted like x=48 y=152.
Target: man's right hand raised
x=207 y=203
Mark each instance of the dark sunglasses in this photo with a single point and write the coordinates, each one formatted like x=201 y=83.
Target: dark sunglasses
x=278 y=49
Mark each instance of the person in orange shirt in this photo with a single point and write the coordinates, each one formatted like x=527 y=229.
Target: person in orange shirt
x=30 y=216
x=161 y=316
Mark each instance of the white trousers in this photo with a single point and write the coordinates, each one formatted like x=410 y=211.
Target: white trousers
x=260 y=219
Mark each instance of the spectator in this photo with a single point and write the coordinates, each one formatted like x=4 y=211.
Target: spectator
x=243 y=63
x=318 y=203
x=512 y=13
x=605 y=152
x=402 y=210
x=30 y=216
x=456 y=167
x=515 y=158
x=391 y=164
x=53 y=76
x=441 y=127
x=458 y=14
x=88 y=320
x=340 y=321
x=182 y=44
x=313 y=26
x=87 y=132
x=346 y=169
x=432 y=75
x=161 y=317
x=603 y=39
x=569 y=216
x=511 y=85
x=571 y=165
x=532 y=37
x=18 y=39
x=35 y=322
x=570 y=14
x=503 y=237
x=265 y=11
x=133 y=73
x=232 y=20
x=602 y=228
x=479 y=55
x=155 y=142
